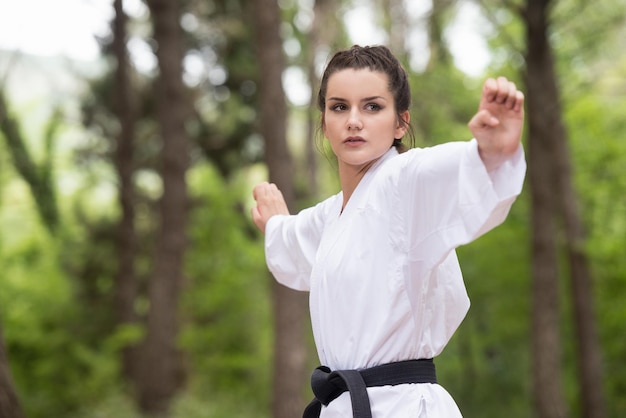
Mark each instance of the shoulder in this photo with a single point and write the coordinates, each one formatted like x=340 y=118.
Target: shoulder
x=394 y=166
x=437 y=159
x=398 y=177
x=420 y=171
x=423 y=154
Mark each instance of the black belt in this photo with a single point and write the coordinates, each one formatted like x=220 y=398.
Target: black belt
x=328 y=385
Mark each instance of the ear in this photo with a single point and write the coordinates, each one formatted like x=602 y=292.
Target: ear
x=401 y=128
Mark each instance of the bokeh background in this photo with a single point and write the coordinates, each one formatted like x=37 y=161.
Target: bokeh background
x=132 y=281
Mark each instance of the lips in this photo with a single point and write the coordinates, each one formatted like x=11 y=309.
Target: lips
x=353 y=140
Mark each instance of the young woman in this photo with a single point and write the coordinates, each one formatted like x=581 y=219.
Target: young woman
x=378 y=258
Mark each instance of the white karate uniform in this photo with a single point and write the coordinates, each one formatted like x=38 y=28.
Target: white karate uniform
x=384 y=280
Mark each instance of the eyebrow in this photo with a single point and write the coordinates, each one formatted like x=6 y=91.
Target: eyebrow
x=365 y=99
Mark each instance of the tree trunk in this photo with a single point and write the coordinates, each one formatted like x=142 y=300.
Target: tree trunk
x=439 y=52
x=543 y=126
x=324 y=31
x=314 y=38
x=161 y=370
x=9 y=403
x=125 y=280
x=396 y=24
x=289 y=306
x=547 y=135
x=591 y=383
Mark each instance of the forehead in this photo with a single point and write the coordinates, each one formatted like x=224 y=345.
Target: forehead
x=358 y=83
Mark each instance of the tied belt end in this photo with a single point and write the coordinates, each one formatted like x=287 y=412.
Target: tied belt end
x=327 y=385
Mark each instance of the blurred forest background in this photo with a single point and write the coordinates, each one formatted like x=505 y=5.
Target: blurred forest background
x=132 y=281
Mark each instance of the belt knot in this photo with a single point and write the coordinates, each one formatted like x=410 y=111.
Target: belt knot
x=327 y=385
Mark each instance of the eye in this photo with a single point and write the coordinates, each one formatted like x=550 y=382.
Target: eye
x=373 y=107
x=338 y=107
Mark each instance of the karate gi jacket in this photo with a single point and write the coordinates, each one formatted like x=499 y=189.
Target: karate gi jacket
x=384 y=280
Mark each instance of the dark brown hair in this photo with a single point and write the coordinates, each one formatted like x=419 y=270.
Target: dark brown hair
x=375 y=58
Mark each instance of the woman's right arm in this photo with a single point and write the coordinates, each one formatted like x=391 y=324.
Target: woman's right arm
x=291 y=241
x=452 y=199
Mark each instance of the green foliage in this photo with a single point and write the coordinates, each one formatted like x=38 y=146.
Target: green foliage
x=64 y=352
x=53 y=370
x=491 y=346
x=444 y=101
x=592 y=86
x=227 y=304
x=39 y=177
x=116 y=405
x=226 y=91
x=596 y=127
x=217 y=404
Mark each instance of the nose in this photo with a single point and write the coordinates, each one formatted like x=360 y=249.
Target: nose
x=354 y=120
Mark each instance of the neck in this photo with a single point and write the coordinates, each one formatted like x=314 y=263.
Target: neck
x=350 y=177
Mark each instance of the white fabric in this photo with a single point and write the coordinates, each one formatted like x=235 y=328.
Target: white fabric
x=384 y=281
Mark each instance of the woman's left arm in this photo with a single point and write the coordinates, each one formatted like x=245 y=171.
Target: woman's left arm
x=498 y=124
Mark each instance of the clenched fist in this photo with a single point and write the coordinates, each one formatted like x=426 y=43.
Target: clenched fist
x=498 y=124
x=269 y=202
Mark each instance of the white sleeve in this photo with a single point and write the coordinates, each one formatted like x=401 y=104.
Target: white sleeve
x=453 y=200
x=291 y=244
